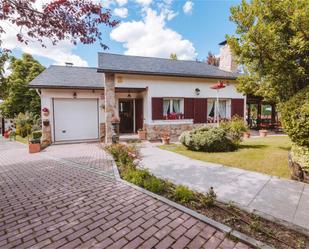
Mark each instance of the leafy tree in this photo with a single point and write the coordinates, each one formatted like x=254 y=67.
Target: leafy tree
x=212 y=59
x=272 y=44
x=173 y=56
x=16 y=94
x=57 y=20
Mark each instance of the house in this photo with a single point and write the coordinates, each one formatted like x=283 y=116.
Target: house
x=159 y=95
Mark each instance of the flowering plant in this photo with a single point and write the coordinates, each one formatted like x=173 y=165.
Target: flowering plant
x=45 y=109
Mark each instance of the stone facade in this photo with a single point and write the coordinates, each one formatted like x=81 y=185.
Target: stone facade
x=46 y=134
x=102 y=132
x=154 y=131
x=110 y=106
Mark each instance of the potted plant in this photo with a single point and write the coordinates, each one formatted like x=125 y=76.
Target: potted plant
x=35 y=142
x=142 y=134
x=263 y=133
x=165 y=137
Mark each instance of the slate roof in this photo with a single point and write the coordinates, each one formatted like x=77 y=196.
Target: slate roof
x=157 y=66
x=69 y=77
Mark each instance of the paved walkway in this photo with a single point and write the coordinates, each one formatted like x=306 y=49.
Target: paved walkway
x=284 y=199
x=65 y=197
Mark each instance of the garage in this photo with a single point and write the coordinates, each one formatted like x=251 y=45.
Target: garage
x=75 y=119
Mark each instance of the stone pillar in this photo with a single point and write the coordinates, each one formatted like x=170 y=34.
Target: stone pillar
x=110 y=106
x=46 y=132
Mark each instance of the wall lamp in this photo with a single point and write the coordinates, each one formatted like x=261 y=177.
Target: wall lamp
x=197 y=91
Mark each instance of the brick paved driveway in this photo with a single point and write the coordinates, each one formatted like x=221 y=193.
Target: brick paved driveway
x=53 y=200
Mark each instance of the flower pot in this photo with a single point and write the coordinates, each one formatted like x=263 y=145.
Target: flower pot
x=165 y=140
x=142 y=135
x=34 y=147
x=247 y=134
x=263 y=133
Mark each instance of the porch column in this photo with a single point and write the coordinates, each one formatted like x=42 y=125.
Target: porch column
x=110 y=106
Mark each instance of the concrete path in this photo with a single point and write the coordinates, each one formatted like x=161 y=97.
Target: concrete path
x=283 y=199
x=65 y=197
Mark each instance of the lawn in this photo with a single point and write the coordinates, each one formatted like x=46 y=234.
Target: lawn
x=23 y=140
x=267 y=155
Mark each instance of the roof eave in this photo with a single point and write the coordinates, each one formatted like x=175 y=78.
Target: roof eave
x=100 y=70
x=66 y=87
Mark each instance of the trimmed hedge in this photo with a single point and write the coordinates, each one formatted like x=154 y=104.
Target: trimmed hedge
x=295 y=117
x=209 y=139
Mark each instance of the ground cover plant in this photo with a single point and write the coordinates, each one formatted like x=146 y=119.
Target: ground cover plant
x=206 y=204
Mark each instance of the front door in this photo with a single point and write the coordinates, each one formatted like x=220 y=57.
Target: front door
x=126 y=115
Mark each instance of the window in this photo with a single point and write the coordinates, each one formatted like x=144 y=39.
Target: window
x=223 y=110
x=173 y=108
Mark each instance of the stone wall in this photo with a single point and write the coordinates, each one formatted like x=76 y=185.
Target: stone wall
x=110 y=106
x=102 y=132
x=154 y=131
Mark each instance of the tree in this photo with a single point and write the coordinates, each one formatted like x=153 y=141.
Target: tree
x=173 y=56
x=272 y=44
x=212 y=59
x=74 y=20
x=16 y=94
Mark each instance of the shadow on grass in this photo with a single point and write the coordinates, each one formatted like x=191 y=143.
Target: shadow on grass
x=287 y=148
x=253 y=146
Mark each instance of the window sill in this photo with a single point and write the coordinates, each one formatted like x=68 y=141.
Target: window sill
x=172 y=121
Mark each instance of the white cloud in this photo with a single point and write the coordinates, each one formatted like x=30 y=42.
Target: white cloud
x=122 y=2
x=188 y=7
x=60 y=53
x=121 y=12
x=151 y=37
x=144 y=2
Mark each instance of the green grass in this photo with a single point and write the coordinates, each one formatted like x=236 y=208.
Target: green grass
x=265 y=155
x=23 y=140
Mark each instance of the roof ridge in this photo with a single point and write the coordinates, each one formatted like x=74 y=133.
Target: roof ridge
x=73 y=67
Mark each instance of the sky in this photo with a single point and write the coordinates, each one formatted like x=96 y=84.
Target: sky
x=189 y=28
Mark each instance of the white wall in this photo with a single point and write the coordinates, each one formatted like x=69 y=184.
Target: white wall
x=159 y=86
x=48 y=94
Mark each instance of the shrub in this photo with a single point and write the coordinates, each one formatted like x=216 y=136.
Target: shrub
x=155 y=185
x=210 y=139
x=183 y=194
x=235 y=128
x=209 y=198
x=36 y=134
x=25 y=123
x=124 y=155
x=300 y=155
x=295 y=117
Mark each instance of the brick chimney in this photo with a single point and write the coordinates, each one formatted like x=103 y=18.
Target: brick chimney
x=227 y=61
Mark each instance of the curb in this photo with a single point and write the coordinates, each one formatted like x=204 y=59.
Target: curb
x=226 y=229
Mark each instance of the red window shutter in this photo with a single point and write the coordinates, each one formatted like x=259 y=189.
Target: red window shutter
x=189 y=108
x=237 y=107
x=200 y=110
x=157 y=108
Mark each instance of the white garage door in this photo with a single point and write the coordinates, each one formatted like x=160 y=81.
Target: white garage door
x=75 y=119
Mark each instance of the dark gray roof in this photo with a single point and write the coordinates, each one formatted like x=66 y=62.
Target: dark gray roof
x=69 y=77
x=157 y=66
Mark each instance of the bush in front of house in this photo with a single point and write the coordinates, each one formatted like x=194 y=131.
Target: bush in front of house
x=295 y=117
x=300 y=155
x=235 y=128
x=209 y=139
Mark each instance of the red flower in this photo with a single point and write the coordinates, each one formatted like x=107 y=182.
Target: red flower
x=45 y=109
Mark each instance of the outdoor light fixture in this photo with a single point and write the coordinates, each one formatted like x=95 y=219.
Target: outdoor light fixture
x=197 y=91
x=74 y=95
x=129 y=95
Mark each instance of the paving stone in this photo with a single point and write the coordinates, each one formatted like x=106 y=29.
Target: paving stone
x=71 y=207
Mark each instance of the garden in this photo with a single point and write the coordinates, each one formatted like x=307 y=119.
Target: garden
x=207 y=204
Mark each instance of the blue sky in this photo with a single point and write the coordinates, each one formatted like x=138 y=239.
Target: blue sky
x=150 y=28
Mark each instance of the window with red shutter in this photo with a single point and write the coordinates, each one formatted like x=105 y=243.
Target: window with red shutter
x=237 y=107
x=157 y=108
x=189 y=108
x=200 y=110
